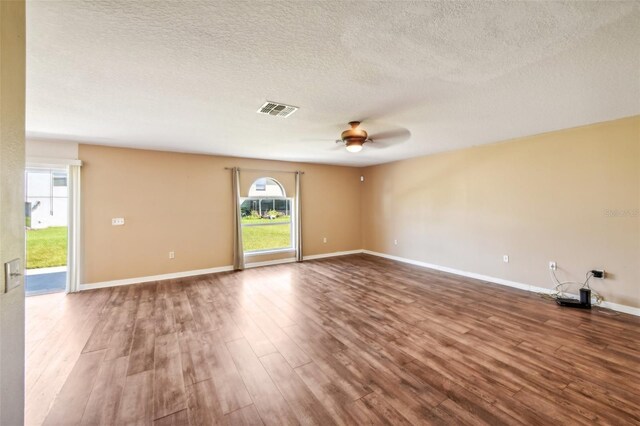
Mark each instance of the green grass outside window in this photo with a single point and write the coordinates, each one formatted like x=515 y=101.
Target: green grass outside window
x=47 y=247
x=266 y=237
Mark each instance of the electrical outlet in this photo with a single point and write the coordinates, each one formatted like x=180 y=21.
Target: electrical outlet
x=117 y=221
x=172 y=255
x=324 y=240
x=395 y=242
x=553 y=265
x=505 y=258
x=598 y=273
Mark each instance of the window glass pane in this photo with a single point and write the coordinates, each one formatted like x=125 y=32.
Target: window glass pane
x=59 y=179
x=269 y=237
x=38 y=183
x=40 y=209
x=60 y=191
x=261 y=185
x=245 y=208
x=266 y=187
x=59 y=209
x=60 y=184
x=265 y=210
x=266 y=224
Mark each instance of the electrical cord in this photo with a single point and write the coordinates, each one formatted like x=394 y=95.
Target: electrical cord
x=561 y=285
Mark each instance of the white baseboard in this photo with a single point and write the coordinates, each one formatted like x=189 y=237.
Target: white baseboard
x=174 y=275
x=610 y=305
x=128 y=281
x=333 y=254
x=140 y=280
x=621 y=308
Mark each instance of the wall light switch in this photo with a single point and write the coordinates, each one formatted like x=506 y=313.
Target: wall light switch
x=12 y=274
x=172 y=255
x=505 y=258
x=324 y=240
x=117 y=221
x=395 y=242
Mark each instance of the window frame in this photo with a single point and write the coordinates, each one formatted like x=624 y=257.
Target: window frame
x=292 y=228
x=291 y=247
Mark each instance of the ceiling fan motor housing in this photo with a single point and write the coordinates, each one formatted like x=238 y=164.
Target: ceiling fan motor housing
x=354 y=135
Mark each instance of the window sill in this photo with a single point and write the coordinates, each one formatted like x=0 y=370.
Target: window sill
x=263 y=252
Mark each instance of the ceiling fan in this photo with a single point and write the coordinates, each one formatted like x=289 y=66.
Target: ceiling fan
x=355 y=137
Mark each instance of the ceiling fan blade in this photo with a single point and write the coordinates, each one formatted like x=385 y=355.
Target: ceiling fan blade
x=375 y=145
x=390 y=137
x=328 y=144
x=316 y=140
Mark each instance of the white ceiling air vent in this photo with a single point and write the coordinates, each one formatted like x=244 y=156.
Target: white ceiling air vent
x=276 y=109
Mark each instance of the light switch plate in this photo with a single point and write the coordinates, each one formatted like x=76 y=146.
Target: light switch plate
x=12 y=274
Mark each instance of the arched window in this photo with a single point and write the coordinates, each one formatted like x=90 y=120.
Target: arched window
x=266 y=187
x=266 y=218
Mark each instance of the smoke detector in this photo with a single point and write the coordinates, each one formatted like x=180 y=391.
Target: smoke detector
x=276 y=109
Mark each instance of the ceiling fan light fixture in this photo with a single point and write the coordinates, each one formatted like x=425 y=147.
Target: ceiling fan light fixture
x=354 y=146
x=353 y=139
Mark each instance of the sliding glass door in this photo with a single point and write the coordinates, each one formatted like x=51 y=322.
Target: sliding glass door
x=46 y=229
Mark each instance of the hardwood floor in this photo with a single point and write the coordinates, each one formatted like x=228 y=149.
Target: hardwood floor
x=347 y=340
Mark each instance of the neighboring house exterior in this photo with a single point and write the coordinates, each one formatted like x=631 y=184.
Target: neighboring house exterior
x=46 y=198
x=265 y=195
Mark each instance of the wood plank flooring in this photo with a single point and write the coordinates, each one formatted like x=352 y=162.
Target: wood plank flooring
x=347 y=340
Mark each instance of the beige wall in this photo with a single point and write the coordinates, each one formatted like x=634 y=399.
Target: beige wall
x=181 y=202
x=570 y=196
x=536 y=199
x=12 y=103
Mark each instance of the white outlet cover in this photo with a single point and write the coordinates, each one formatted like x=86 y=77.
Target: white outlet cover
x=505 y=258
x=117 y=221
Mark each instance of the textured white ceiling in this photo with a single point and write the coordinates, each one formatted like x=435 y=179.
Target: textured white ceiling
x=190 y=75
